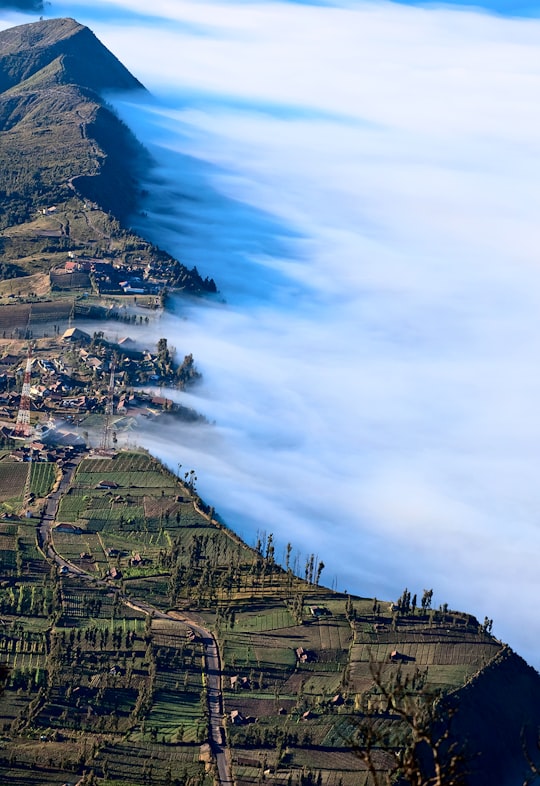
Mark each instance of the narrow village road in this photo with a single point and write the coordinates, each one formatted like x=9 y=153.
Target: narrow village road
x=50 y=511
x=212 y=658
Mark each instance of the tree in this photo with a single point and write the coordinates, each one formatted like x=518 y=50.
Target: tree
x=427 y=597
x=164 y=359
x=487 y=627
x=404 y=603
x=288 y=556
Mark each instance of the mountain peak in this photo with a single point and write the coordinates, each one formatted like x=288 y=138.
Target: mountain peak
x=27 y=49
x=37 y=34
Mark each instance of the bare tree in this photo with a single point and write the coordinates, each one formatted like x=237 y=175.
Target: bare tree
x=425 y=754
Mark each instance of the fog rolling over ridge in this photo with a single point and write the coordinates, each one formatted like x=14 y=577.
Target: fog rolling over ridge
x=362 y=182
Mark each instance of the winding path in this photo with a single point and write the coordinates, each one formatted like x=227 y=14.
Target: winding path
x=212 y=661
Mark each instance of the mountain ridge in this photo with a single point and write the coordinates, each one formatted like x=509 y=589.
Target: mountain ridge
x=53 y=75
x=27 y=49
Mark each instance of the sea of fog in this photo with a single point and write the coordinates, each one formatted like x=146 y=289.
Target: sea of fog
x=362 y=180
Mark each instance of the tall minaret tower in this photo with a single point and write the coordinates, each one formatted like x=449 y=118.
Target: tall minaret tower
x=22 y=426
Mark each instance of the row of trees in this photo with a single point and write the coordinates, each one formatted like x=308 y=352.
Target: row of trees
x=407 y=604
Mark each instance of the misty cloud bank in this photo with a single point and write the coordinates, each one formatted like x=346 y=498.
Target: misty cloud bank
x=362 y=182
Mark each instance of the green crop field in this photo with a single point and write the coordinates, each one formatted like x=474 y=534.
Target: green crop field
x=269 y=619
x=42 y=478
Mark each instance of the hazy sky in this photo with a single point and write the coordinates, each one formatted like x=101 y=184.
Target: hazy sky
x=362 y=180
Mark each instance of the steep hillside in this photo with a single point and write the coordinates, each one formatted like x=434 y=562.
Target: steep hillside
x=57 y=134
x=497 y=721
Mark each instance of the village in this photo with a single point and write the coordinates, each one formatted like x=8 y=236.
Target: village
x=81 y=380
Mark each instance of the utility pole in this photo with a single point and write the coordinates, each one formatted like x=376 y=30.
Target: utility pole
x=109 y=412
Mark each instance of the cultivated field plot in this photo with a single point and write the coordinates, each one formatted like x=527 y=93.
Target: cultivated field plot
x=7 y=548
x=27 y=773
x=51 y=311
x=13 y=317
x=323 y=683
x=30 y=664
x=122 y=547
x=442 y=677
x=42 y=478
x=335 y=766
x=154 y=589
x=126 y=471
x=134 y=762
x=113 y=519
x=270 y=658
x=263 y=618
x=447 y=657
x=238 y=651
x=60 y=279
x=164 y=508
x=335 y=637
x=169 y=633
x=71 y=506
x=97 y=509
x=144 y=480
x=328 y=767
x=427 y=651
x=325 y=640
x=26 y=315
x=100 y=604
x=25 y=652
x=13 y=475
x=178 y=715
x=259 y=706
x=71 y=546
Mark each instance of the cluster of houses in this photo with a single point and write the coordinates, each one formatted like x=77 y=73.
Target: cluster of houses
x=78 y=390
x=37 y=451
x=109 y=278
x=95 y=356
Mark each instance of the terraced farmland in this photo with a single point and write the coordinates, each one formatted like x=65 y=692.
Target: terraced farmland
x=298 y=660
